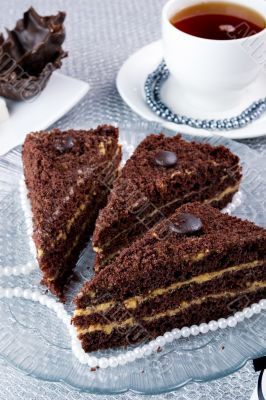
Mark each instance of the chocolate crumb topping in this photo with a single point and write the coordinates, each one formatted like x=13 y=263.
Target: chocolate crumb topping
x=165 y=158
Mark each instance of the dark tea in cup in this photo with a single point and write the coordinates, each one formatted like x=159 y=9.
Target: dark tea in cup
x=219 y=21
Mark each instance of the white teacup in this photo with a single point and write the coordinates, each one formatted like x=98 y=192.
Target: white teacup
x=212 y=74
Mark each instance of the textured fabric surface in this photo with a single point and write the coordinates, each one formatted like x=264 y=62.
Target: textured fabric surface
x=101 y=34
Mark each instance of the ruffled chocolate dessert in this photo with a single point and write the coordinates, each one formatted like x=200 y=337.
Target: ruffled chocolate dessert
x=30 y=53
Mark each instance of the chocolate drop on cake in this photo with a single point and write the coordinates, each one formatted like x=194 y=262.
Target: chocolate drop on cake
x=186 y=224
x=68 y=175
x=162 y=174
x=165 y=158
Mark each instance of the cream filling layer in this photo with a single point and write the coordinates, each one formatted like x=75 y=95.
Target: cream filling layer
x=228 y=190
x=129 y=322
x=133 y=302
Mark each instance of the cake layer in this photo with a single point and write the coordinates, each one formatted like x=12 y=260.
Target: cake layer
x=162 y=298
x=148 y=189
x=69 y=176
x=203 y=310
x=169 y=312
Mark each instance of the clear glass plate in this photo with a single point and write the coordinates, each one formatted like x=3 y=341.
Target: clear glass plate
x=34 y=340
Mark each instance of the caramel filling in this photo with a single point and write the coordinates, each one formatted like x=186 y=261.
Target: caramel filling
x=230 y=189
x=108 y=327
x=102 y=148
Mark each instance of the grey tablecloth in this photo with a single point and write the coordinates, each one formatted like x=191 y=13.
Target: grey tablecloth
x=100 y=36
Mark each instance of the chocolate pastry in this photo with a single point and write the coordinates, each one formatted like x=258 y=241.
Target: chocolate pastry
x=162 y=174
x=66 y=176
x=158 y=284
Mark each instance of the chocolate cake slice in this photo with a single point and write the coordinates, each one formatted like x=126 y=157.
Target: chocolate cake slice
x=162 y=174
x=69 y=175
x=194 y=267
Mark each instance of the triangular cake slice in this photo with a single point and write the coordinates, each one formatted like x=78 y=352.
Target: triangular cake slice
x=162 y=174
x=68 y=175
x=199 y=265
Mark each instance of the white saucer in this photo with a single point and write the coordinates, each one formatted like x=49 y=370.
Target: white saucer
x=60 y=95
x=130 y=84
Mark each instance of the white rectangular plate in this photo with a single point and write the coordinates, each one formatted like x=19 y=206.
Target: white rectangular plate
x=60 y=95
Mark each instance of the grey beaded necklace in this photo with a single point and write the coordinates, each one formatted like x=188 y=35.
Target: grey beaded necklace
x=152 y=89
